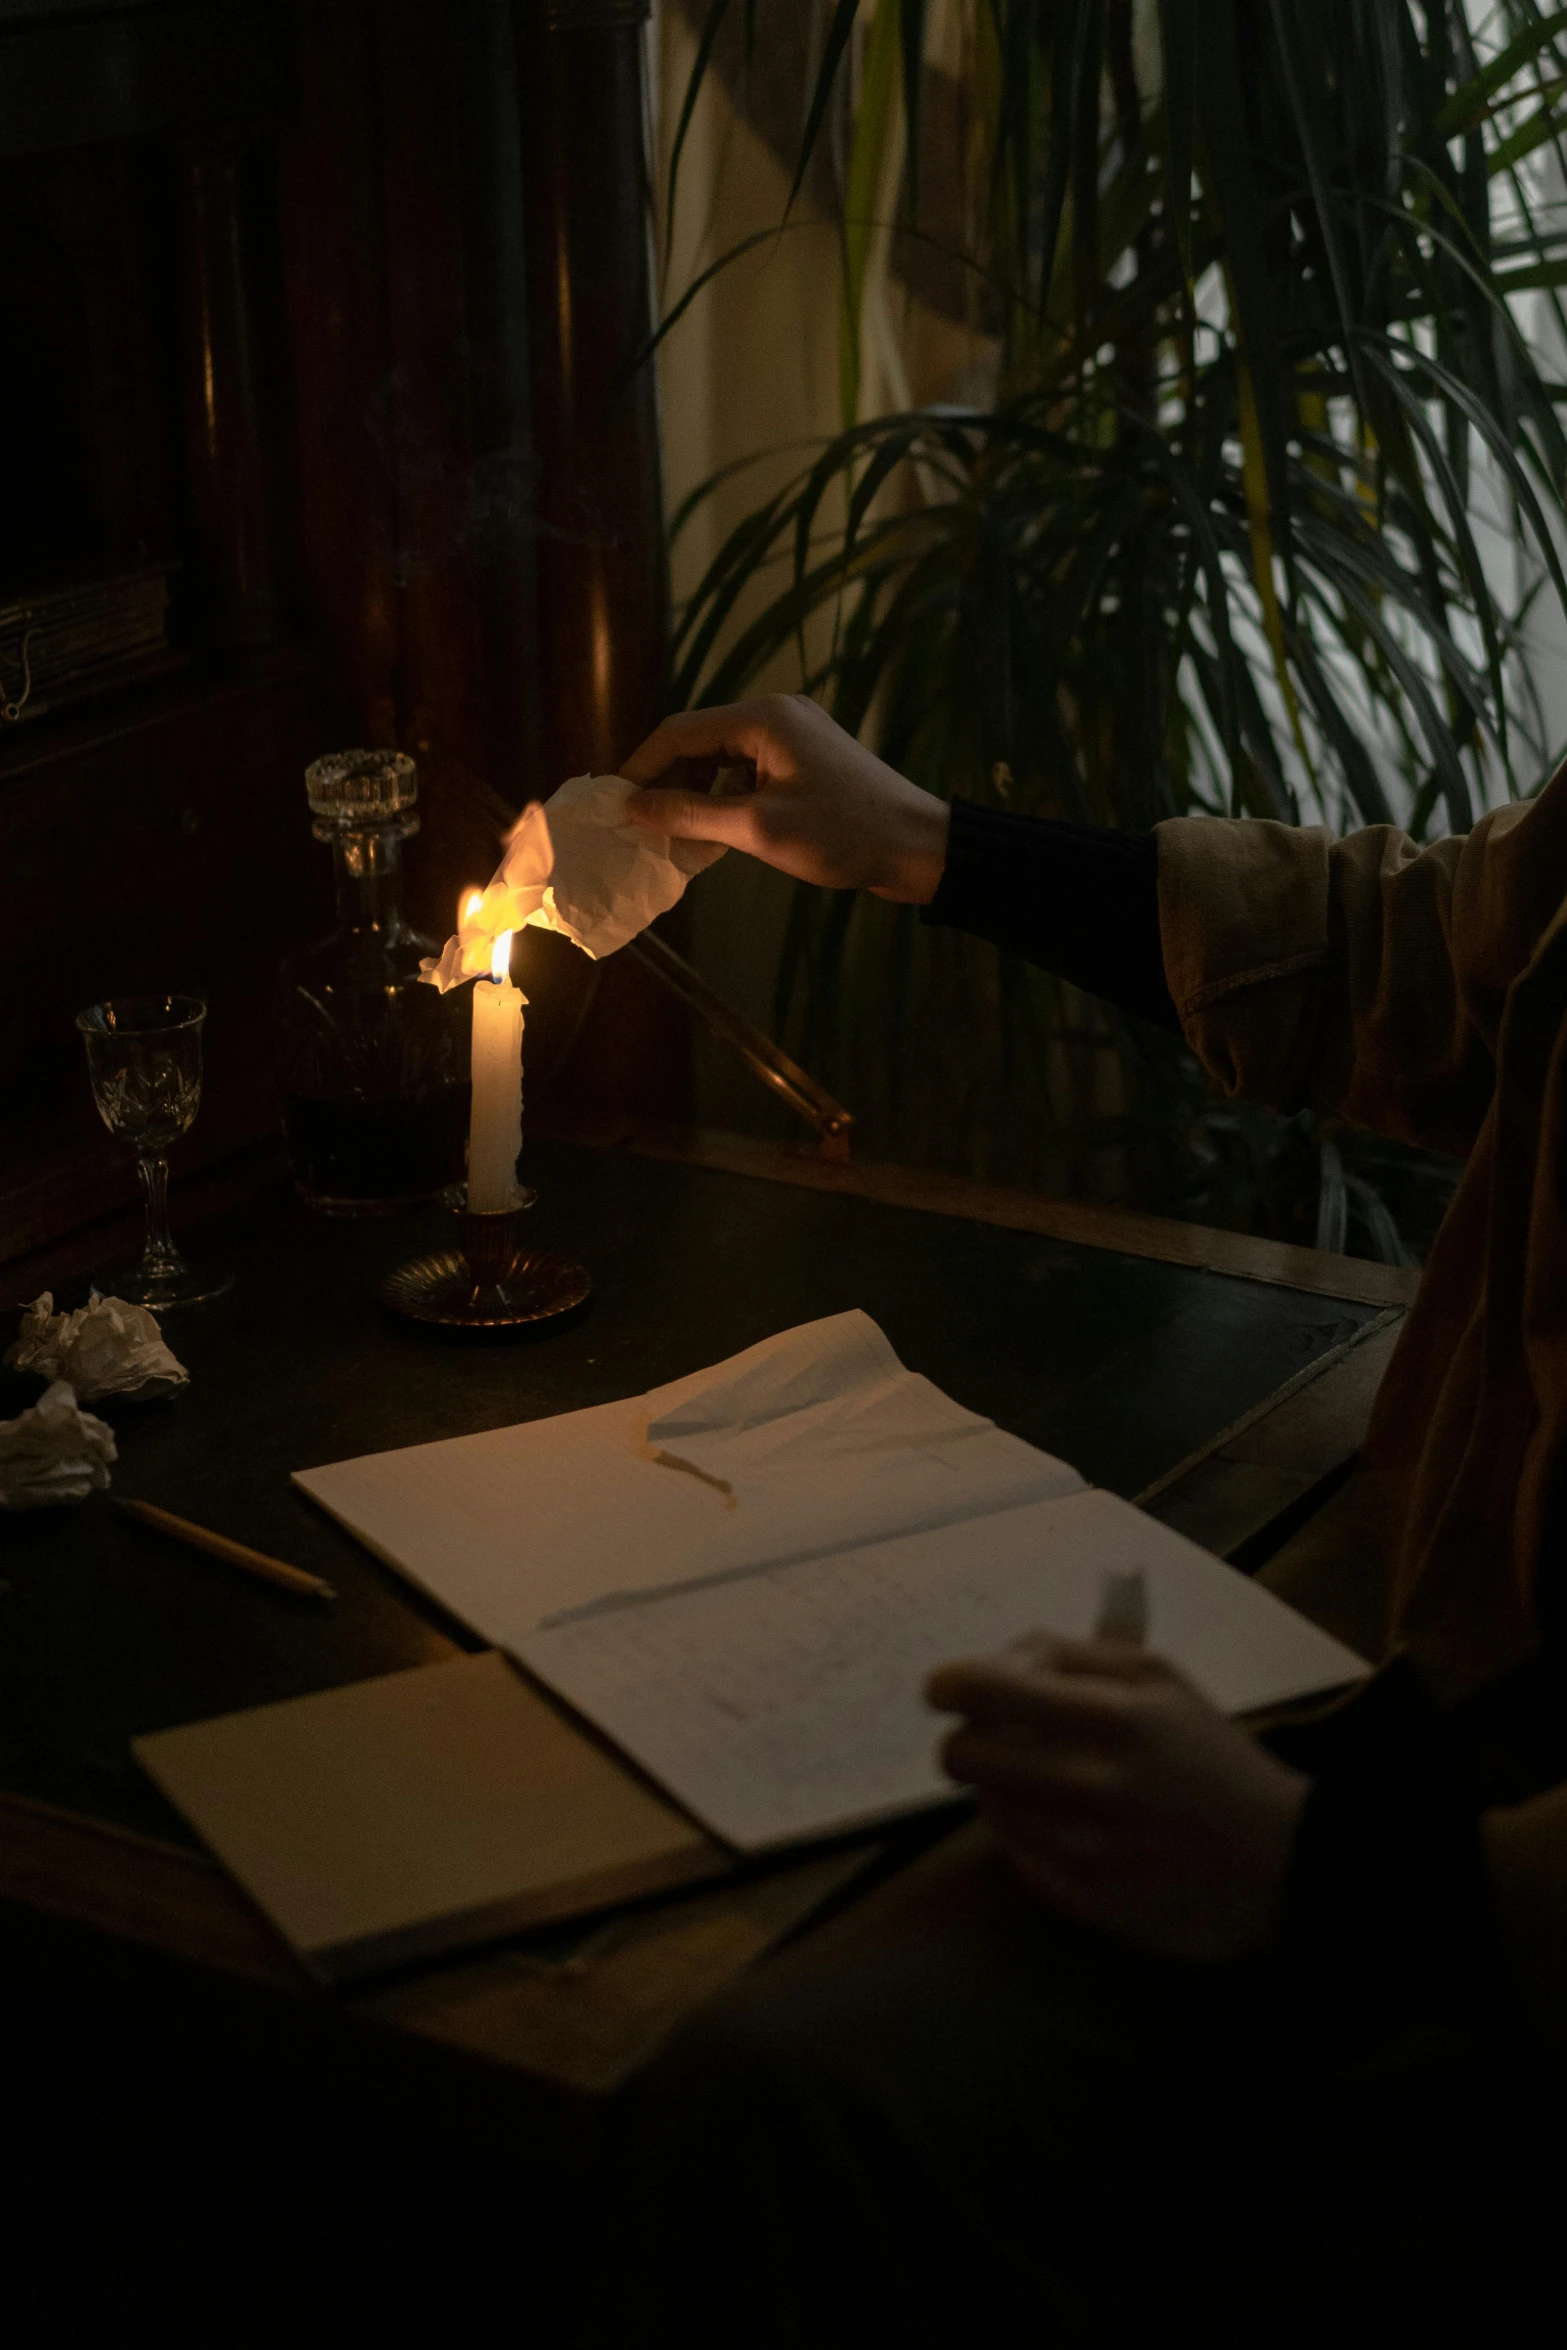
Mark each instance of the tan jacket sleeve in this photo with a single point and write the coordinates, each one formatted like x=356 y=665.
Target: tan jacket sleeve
x=1364 y=976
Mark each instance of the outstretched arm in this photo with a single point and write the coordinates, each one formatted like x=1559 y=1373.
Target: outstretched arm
x=1364 y=976
x=819 y=806
x=813 y=803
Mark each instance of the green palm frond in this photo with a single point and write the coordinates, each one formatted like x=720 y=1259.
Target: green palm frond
x=1254 y=270
x=1257 y=333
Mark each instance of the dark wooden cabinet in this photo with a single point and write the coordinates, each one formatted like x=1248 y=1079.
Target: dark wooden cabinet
x=336 y=307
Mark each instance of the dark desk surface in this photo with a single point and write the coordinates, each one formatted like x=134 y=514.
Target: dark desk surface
x=1122 y=1365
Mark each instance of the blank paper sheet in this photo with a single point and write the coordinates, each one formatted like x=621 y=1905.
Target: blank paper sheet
x=812 y=1441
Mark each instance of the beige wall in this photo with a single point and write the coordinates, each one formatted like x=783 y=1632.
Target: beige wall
x=752 y=367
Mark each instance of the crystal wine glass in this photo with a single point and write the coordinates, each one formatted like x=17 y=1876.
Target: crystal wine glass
x=144 y=1059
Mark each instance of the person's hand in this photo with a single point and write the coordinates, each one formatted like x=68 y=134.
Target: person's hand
x=823 y=809
x=1123 y=1798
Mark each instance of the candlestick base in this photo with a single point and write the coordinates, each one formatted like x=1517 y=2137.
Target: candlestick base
x=491 y=1282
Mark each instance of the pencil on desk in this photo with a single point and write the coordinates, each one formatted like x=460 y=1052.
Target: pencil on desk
x=238 y=1554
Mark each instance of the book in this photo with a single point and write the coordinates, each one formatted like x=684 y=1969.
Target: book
x=743 y=1578
x=418 y=1813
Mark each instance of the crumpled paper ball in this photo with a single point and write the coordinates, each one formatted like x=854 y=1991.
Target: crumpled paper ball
x=54 y=1453
x=106 y=1347
x=578 y=867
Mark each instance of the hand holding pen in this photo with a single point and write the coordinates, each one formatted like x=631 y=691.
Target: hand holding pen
x=1122 y=1797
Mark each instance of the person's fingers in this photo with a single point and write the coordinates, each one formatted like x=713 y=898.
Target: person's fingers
x=688 y=815
x=689 y=734
x=1059 y=1781
x=736 y=730
x=982 y=1687
x=1113 y=1660
x=1070 y=1844
x=697 y=775
x=989 y=1693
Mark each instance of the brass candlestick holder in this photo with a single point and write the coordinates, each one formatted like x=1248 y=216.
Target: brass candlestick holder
x=489 y=1282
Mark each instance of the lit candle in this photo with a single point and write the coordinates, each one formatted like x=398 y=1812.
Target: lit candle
x=495 y=1129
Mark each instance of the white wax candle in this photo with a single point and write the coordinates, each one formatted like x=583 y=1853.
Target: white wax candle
x=495 y=1128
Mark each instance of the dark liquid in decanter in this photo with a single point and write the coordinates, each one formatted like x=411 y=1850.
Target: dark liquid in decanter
x=372 y=1065
x=352 y=1157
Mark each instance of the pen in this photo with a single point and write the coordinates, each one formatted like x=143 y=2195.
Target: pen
x=238 y=1554
x=1123 y=1616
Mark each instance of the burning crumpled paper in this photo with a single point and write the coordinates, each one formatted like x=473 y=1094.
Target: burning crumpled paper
x=579 y=867
x=105 y=1348
x=54 y=1453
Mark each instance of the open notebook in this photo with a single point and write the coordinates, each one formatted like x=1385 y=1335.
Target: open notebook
x=743 y=1578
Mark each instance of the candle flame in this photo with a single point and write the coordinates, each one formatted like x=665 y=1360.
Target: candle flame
x=500 y=957
x=467 y=906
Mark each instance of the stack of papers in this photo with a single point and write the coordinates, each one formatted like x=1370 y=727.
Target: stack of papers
x=743 y=1578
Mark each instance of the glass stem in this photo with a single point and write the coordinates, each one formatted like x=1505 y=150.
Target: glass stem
x=161 y=1255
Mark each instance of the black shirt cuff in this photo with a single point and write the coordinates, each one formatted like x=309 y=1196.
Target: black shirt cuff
x=1078 y=900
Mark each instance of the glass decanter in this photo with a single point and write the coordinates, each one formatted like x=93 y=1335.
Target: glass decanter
x=371 y=1064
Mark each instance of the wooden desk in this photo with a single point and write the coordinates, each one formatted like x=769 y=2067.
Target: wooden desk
x=1227 y=1395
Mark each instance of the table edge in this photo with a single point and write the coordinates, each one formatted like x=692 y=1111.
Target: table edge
x=1203 y=1248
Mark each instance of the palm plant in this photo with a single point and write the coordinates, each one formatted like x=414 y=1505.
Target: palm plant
x=1254 y=523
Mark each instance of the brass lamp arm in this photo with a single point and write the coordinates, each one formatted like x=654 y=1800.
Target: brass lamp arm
x=756 y=1048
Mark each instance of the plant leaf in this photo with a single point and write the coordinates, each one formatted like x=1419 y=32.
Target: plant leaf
x=872 y=116
x=911 y=29
x=697 y=76
x=1260 y=523
x=1227 y=167
x=1178 y=37
x=833 y=49
x=1470 y=104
